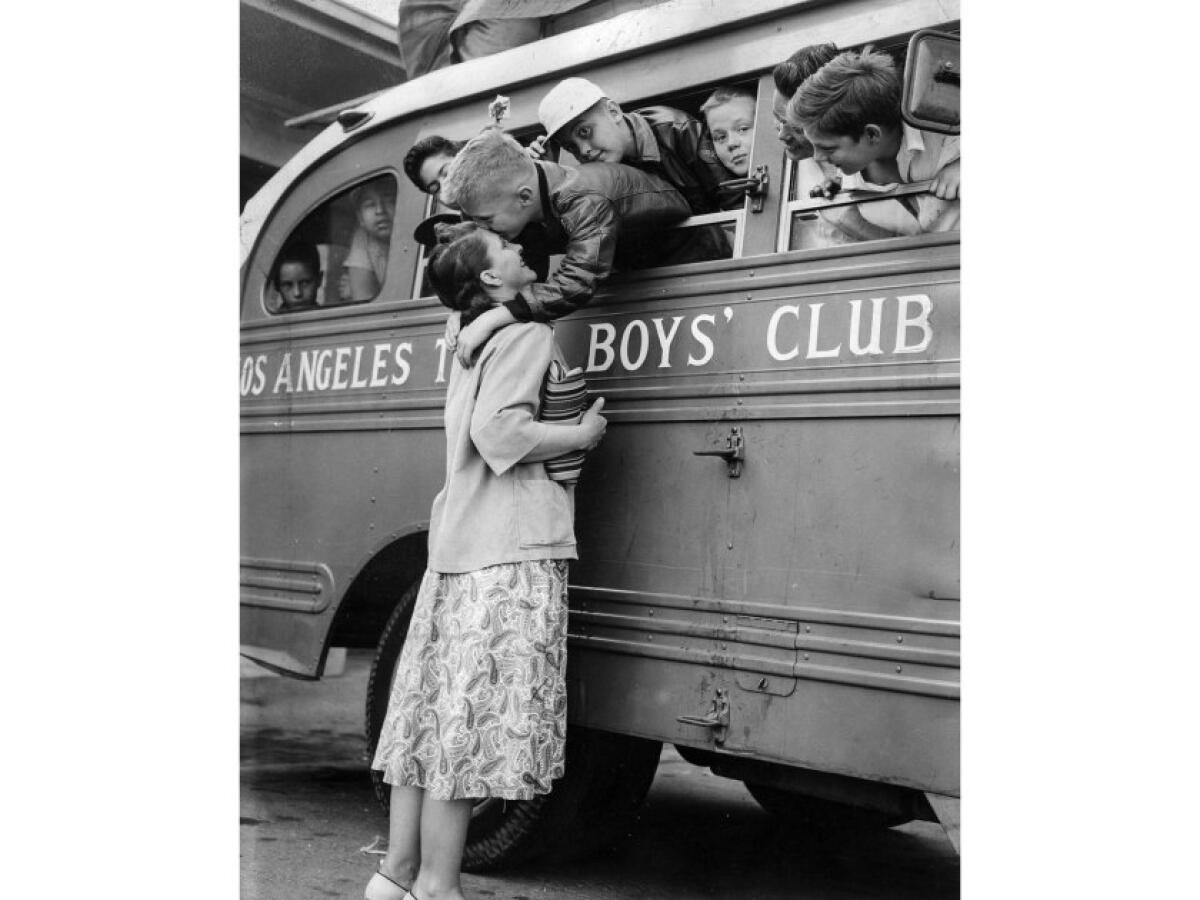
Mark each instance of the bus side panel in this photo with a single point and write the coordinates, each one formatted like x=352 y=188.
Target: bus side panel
x=813 y=589
x=833 y=632
x=342 y=453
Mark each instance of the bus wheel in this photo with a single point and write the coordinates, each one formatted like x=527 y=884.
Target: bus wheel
x=591 y=807
x=607 y=777
x=805 y=811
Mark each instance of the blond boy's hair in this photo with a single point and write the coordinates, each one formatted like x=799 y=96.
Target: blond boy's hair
x=488 y=158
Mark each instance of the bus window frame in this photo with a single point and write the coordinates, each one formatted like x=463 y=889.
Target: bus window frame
x=789 y=208
x=345 y=188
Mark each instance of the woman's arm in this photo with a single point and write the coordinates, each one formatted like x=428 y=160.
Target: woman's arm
x=560 y=439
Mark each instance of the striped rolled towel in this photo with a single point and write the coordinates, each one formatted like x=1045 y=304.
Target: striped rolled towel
x=564 y=398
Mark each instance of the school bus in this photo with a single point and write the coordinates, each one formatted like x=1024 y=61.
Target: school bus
x=768 y=573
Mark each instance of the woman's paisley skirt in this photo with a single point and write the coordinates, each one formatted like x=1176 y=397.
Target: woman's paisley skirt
x=478 y=706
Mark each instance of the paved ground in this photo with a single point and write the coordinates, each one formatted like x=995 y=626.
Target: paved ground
x=308 y=811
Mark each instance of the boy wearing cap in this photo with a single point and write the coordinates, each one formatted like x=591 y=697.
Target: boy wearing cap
x=850 y=112
x=584 y=211
x=667 y=142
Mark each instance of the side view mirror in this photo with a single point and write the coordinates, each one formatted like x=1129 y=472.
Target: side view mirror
x=932 y=82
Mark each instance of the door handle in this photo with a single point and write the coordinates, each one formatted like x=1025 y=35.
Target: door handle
x=755 y=185
x=734 y=452
x=717 y=718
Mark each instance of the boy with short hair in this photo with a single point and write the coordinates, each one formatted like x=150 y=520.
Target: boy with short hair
x=428 y=160
x=375 y=207
x=664 y=141
x=850 y=112
x=297 y=275
x=729 y=115
x=585 y=210
x=788 y=76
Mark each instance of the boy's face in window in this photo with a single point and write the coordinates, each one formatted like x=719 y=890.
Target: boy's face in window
x=433 y=172
x=849 y=154
x=298 y=284
x=506 y=210
x=375 y=213
x=599 y=135
x=732 y=127
x=791 y=136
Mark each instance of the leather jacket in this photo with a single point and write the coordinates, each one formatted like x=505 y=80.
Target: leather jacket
x=674 y=145
x=584 y=211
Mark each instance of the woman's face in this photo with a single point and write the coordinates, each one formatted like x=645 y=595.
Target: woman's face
x=506 y=263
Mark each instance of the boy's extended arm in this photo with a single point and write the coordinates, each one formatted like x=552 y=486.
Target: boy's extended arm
x=476 y=334
x=591 y=225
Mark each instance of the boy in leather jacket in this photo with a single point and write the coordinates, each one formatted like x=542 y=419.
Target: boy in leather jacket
x=495 y=183
x=664 y=141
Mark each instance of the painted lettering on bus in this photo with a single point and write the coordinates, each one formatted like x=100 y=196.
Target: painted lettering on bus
x=636 y=344
x=913 y=332
x=330 y=369
x=809 y=330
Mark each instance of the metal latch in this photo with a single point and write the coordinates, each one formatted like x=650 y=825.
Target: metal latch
x=755 y=185
x=733 y=452
x=717 y=718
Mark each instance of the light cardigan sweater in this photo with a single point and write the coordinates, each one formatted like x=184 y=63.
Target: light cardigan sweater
x=493 y=508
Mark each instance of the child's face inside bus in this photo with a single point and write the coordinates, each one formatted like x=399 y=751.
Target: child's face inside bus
x=298 y=284
x=506 y=265
x=849 y=154
x=376 y=209
x=732 y=128
x=433 y=172
x=598 y=135
x=795 y=144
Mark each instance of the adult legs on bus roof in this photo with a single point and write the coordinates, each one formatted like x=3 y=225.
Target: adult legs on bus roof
x=483 y=37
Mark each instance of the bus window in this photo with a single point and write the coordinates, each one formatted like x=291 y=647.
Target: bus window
x=868 y=215
x=339 y=253
x=421 y=285
x=866 y=212
x=715 y=233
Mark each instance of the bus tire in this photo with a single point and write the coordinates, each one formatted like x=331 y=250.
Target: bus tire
x=827 y=815
x=607 y=776
x=379 y=686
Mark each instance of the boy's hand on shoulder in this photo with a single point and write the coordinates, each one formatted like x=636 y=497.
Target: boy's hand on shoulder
x=453 y=326
x=946 y=183
x=469 y=340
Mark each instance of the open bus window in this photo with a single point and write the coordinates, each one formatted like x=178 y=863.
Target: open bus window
x=866 y=214
x=712 y=178
x=421 y=285
x=863 y=211
x=339 y=254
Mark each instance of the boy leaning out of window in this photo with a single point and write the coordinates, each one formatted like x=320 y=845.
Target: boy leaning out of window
x=729 y=115
x=586 y=212
x=850 y=112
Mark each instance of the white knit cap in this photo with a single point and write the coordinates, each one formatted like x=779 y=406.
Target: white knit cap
x=566 y=100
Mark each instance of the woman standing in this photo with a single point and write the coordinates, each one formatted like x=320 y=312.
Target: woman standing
x=478 y=704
